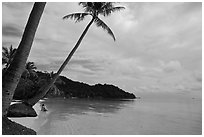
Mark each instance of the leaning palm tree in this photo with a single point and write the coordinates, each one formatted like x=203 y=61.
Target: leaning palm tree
x=13 y=74
x=93 y=9
x=8 y=55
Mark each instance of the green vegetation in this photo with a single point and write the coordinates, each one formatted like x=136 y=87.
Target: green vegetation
x=32 y=80
x=64 y=87
x=7 y=56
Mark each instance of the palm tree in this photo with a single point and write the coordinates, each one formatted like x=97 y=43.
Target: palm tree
x=29 y=71
x=13 y=74
x=7 y=56
x=93 y=9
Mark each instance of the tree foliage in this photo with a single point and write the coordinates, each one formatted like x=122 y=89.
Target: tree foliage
x=8 y=55
x=95 y=9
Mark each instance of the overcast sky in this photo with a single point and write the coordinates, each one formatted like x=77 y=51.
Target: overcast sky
x=158 y=46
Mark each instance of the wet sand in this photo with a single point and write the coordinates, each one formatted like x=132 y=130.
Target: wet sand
x=153 y=114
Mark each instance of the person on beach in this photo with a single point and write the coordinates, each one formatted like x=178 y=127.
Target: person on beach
x=43 y=108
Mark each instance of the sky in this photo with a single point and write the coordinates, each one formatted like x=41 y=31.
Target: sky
x=158 y=46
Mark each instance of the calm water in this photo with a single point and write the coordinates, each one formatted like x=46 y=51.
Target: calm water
x=152 y=114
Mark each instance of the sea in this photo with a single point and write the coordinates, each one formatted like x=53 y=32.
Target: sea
x=151 y=114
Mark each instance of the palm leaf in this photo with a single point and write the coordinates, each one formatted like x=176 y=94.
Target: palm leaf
x=30 y=66
x=84 y=4
x=76 y=16
x=5 y=51
x=13 y=52
x=5 y=55
x=11 y=49
x=88 y=6
x=89 y=9
x=100 y=23
x=107 y=5
x=4 y=61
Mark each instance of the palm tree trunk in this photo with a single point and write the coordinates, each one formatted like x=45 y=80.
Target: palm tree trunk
x=43 y=91
x=13 y=74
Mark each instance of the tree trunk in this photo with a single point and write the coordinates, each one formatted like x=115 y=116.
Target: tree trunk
x=13 y=74
x=43 y=90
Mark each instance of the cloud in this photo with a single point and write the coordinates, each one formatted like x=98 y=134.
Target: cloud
x=79 y=63
x=125 y=19
x=90 y=64
x=17 y=5
x=11 y=30
x=157 y=44
x=171 y=66
x=198 y=76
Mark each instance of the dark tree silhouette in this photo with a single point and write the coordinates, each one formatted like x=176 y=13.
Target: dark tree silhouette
x=13 y=74
x=8 y=55
x=29 y=71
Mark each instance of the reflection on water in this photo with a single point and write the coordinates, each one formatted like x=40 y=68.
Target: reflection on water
x=173 y=114
x=81 y=106
x=62 y=111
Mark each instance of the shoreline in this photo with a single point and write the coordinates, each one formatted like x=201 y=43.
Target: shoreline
x=83 y=114
x=12 y=128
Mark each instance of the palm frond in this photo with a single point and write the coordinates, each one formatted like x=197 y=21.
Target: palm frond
x=13 y=52
x=84 y=4
x=88 y=6
x=5 y=55
x=89 y=10
x=4 y=61
x=107 y=5
x=108 y=11
x=30 y=66
x=100 y=23
x=8 y=55
x=76 y=16
x=5 y=51
x=11 y=49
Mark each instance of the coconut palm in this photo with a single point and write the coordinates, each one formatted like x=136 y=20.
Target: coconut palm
x=93 y=9
x=29 y=71
x=13 y=74
x=8 y=55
